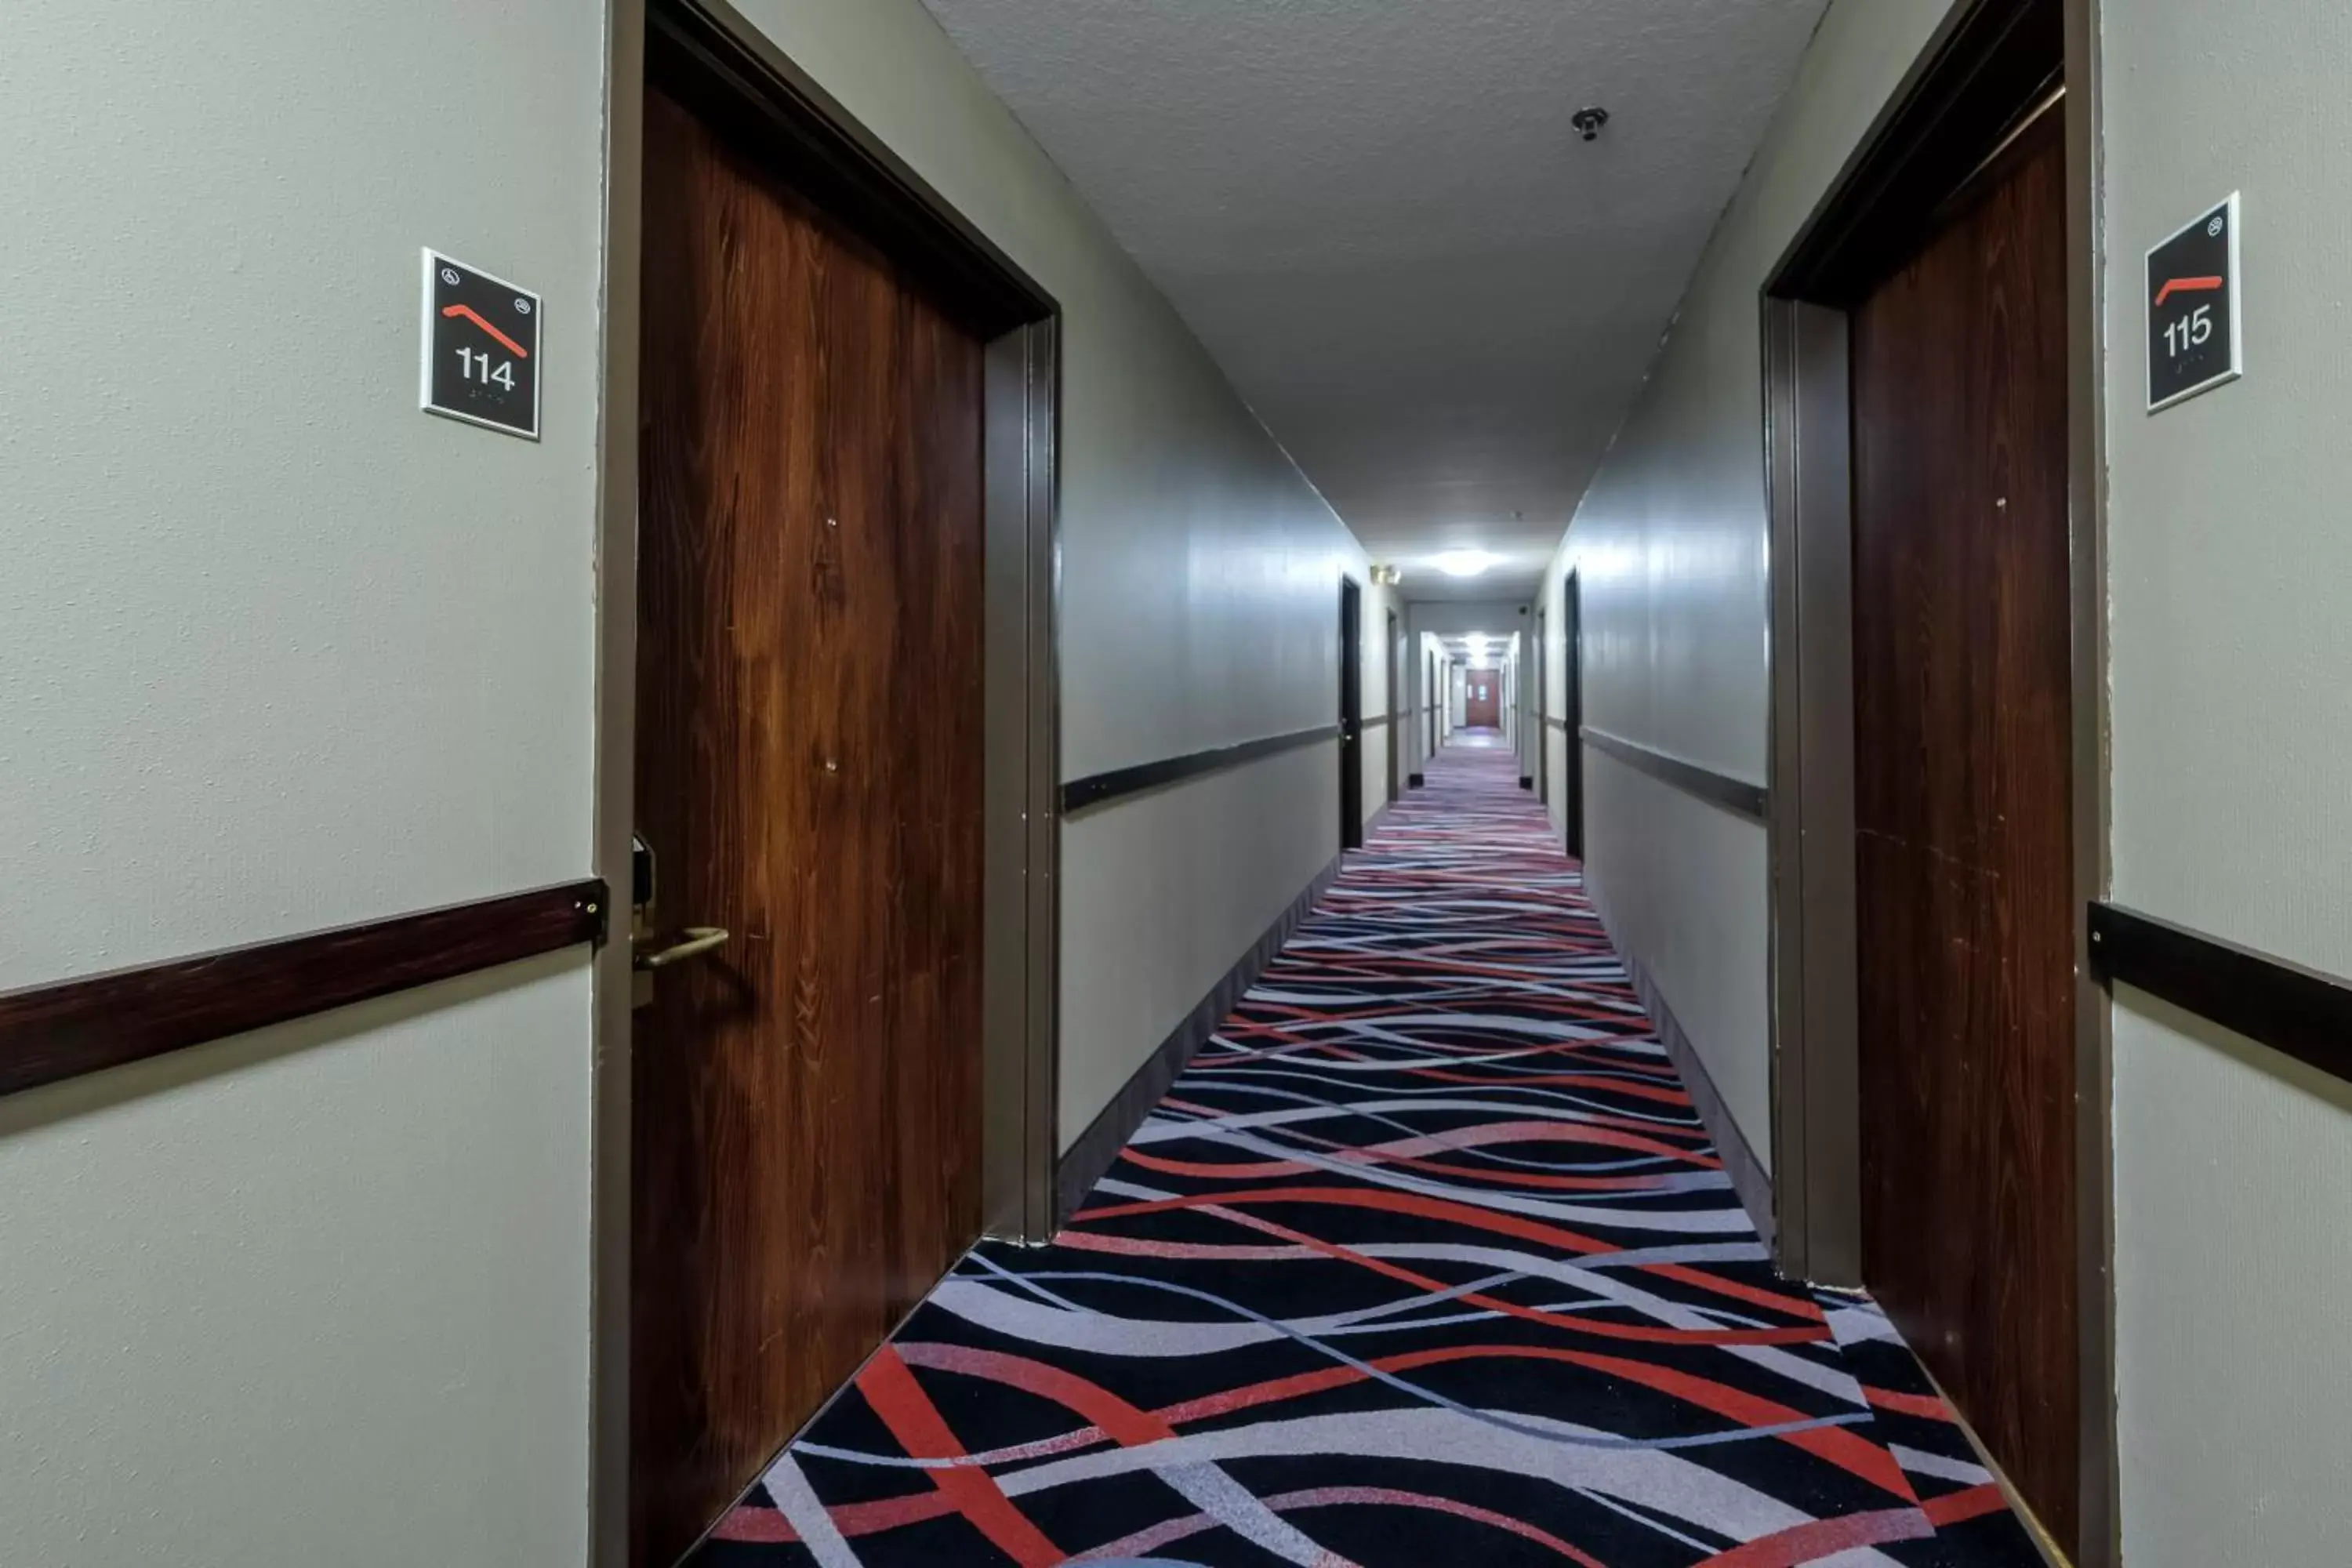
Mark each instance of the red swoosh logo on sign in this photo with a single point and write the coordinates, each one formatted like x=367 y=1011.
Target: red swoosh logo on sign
x=519 y=351
x=2186 y=286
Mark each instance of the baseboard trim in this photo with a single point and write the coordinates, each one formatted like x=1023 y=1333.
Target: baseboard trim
x=1097 y=1149
x=2052 y=1554
x=1748 y=1178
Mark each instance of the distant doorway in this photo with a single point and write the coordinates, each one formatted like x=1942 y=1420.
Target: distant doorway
x=1432 y=696
x=1396 y=710
x=1543 y=711
x=1351 y=715
x=1572 y=692
x=1482 y=700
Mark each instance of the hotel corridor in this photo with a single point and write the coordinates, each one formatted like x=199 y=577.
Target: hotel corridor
x=1425 y=1260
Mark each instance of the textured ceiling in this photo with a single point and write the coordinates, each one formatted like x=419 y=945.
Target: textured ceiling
x=1377 y=217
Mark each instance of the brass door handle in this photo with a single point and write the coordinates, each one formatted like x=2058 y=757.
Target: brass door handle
x=698 y=939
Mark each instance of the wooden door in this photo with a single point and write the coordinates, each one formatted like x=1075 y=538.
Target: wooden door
x=1962 y=811
x=1482 y=703
x=1572 y=689
x=809 y=772
x=1351 y=715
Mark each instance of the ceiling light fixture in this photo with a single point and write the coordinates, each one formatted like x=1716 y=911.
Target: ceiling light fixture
x=1465 y=562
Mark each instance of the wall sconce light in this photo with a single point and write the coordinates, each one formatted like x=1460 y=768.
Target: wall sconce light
x=1387 y=577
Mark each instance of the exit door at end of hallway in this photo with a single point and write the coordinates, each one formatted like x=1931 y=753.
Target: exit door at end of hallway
x=1482 y=701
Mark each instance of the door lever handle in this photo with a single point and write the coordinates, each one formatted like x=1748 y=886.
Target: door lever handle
x=698 y=939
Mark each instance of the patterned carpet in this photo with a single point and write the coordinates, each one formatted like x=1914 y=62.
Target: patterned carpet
x=1426 y=1260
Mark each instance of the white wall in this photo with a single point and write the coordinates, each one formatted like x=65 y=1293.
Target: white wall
x=2232 y=716
x=1669 y=543
x=282 y=653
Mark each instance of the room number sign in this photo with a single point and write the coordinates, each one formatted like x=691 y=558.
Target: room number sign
x=2193 y=339
x=481 y=348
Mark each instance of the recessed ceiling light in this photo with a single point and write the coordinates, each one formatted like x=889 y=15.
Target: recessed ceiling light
x=1464 y=563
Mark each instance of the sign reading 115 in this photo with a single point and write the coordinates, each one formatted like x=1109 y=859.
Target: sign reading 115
x=2193 y=330
x=2194 y=308
x=481 y=348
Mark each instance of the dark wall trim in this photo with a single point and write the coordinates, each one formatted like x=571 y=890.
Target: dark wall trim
x=697 y=50
x=1097 y=1149
x=1080 y=793
x=1994 y=68
x=1748 y=1179
x=1736 y=795
x=2304 y=1013
x=49 y=1033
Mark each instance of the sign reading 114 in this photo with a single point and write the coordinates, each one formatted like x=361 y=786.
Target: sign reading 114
x=480 y=348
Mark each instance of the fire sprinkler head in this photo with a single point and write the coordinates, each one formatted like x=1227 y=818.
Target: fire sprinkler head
x=1589 y=122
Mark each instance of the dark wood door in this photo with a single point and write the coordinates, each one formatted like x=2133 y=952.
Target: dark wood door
x=1571 y=690
x=1962 y=811
x=1351 y=715
x=809 y=772
x=1482 y=703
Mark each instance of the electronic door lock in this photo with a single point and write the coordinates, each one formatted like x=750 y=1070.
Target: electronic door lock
x=649 y=952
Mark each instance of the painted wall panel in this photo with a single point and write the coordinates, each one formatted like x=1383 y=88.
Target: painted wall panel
x=2233 y=1169
x=1677 y=882
x=315 y=1295
x=283 y=652
x=2231 y=691
x=1670 y=544
x=1258 y=836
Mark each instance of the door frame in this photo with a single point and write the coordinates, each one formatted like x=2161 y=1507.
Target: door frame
x=1351 y=714
x=1982 y=76
x=1396 y=709
x=1431 y=697
x=743 y=81
x=1543 y=704
x=1571 y=690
